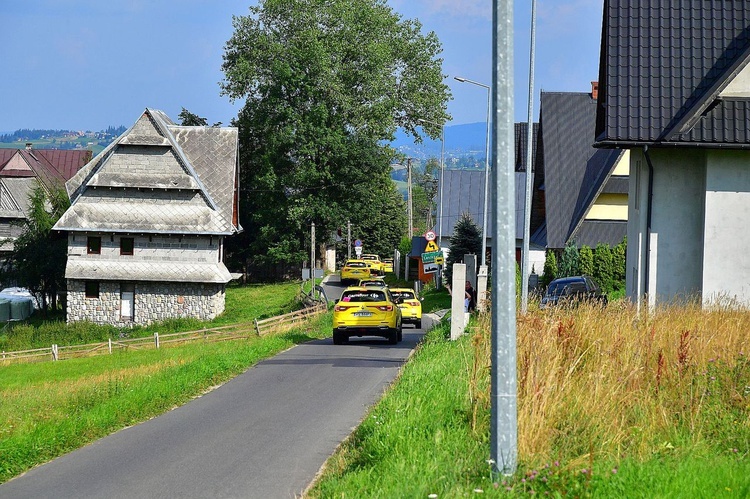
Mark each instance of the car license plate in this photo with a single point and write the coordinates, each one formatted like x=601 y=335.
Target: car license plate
x=362 y=314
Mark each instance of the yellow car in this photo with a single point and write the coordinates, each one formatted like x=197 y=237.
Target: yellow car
x=354 y=270
x=376 y=266
x=388 y=265
x=411 y=306
x=373 y=281
x=365 y=311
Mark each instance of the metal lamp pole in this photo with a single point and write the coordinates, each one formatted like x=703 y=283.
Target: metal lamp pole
x=486 y=165
x=442 y=170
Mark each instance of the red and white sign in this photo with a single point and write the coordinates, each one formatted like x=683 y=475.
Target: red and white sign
x=430 y=235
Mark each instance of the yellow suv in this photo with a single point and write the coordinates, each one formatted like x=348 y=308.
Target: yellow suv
x=365 y=311
x=354 y=270
x=376 y=266
x=411 y=306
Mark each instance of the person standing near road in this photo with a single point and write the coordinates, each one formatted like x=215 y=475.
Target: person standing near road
x=470 y=298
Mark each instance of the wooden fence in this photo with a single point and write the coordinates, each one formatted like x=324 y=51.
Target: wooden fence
x=288 y=321
x=235 y=331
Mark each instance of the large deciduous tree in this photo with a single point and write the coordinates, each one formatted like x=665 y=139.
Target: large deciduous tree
x=326 y=83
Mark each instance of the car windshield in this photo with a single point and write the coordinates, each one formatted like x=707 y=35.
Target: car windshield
x=558 y=288
x=374 y=282
x=356 y=265
x=363 y=296
x=406 y=295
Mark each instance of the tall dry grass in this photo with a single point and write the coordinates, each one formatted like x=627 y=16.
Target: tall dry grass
x=608 y=382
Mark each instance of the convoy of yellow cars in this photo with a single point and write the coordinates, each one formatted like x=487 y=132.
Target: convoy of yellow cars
x=371 y=308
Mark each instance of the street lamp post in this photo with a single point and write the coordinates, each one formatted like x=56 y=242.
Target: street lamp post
x=486 y=165
x=442 y=170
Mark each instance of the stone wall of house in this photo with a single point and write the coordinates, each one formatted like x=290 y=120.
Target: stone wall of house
x=154 y=301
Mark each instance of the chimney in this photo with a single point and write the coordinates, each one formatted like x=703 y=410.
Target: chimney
x=594 y=89
x=28 y=146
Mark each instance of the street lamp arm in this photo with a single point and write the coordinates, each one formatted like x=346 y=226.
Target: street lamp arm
x=466 y=80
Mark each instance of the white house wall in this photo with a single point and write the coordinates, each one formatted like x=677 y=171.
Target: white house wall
x=675 y=259
x=726 y=267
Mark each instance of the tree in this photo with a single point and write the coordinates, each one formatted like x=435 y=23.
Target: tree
x=604 y=267
x=466 y=240
x=586 y=260
x=569 y=260
x=550 y=268
x=189 y=119
x=37 y=261
x=326 y=83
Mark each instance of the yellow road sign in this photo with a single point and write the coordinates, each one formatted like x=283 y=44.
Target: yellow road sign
x=431 y=246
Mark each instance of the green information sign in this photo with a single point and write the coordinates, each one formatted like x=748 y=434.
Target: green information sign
x=433 y=257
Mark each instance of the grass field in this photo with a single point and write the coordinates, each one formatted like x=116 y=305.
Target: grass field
x=610 y=404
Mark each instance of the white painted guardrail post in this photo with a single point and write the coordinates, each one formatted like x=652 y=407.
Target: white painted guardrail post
x=110 y=345
x=156 y=339
x=54 y=352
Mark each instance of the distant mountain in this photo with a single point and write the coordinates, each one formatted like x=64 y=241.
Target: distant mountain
x=461 y=141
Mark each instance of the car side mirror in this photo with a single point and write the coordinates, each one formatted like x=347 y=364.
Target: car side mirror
x=335 y=301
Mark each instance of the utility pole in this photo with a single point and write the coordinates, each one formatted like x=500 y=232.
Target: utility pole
x=408 y=195
x=312 y=260
x=348 y=239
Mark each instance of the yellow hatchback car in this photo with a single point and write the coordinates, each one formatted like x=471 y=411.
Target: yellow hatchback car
x=375 y=264
x=365 y=311
x=388 y=265
x=354 y=270
x=411 y=306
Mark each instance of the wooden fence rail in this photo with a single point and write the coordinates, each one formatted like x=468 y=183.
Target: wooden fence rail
x=221 y=333
x=288 y=321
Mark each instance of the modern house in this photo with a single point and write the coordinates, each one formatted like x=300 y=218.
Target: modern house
x=147 y=223
x=674 y=89
x=585 y=190
x=22 y=171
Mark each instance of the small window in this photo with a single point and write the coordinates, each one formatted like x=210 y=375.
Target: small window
x=92 y=289
x=94 y=245
x=126 y=245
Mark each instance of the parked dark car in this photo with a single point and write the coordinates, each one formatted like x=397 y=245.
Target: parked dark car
x=573 y=290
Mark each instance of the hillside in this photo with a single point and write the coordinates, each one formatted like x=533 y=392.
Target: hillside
x=60 y=139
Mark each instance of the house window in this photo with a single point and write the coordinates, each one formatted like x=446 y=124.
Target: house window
x=92 y=289
x=94 y=245
x=126 y=245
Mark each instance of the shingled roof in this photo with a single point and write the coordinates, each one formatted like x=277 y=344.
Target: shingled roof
x=20 y=169
x=158 y=177
x=666 y=73
x=575 y=172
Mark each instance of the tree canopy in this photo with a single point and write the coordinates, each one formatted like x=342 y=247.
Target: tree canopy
x=326 y=83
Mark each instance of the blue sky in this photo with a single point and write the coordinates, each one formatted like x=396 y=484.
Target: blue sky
x=89 y=64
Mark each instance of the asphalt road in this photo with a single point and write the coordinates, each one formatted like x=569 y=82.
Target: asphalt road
x=264 y=434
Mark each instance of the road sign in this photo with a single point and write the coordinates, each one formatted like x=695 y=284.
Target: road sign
x=430 y=268
x=432 y=256
x=430 y=235
x=358 y=251
x=358 y=243
x=431 y=246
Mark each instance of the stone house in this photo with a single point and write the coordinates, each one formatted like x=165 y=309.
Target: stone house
x=674 y=89
x=22 y=171
x=147 y=223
